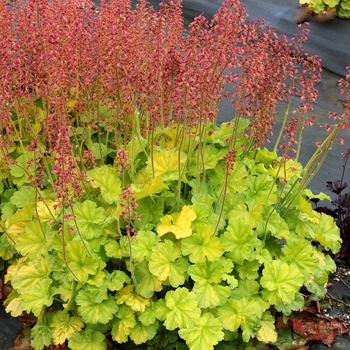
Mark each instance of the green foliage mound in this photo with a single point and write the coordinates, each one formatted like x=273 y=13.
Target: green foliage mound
x=204 y=257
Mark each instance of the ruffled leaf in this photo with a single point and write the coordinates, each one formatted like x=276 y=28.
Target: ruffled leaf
x=123 y=324
x=166 y=263
x=89 y=218
x=202 y=245
x=63 y=326
x=87 y=339
x=92 y=312
x=134 y=300
x=142 y=247
x=240 y=241
x=282 y=281
x=205 y=334
x=106 y=179
x=177 y=223
x=147 y=283
x=183 y=310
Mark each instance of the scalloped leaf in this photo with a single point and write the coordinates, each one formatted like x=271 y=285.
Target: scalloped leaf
x=147 y=283
x=23 y=197
x=240 y=241
x=33 y=241
x=244 y=312
x=302 y=254
x=267 y=332
x=41 y=335
x=210 y=295
x=165 y=164
x=63 y=326
x=39 y=295
x=89 y=218
x=128 y=296
x=202 y=245
x=205 y=334
x=177 y=223
x=81 y=264
x=147 y=190
x=92 y=312
x=106 y=179
x=142 y=247
x=87 y=339
x=123 y=324
x=327 y=233
x=282 y=281
x=183 y=310
x=166 y=263
x=140 y=333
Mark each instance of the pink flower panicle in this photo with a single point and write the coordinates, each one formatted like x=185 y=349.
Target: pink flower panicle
x=129 y=204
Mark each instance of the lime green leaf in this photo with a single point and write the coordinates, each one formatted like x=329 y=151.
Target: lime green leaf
x=282 y=280
x=129 y=297
x=245 y=289
x=140 y=333
x=116 y=249
x=87 y=339
x=92 y=312
x=41 y=335
x=276 y=225
x=147 y=283
x=31 y=273
x=237 y=181
x=177 y=223
x=327 y=233
x=240 y=241
x=166 y=262
x=211 y=294
x=81 y=264
x=46 y=210
x=267 y=332
x=205 y=334
x=207 y=271
x=63 y=326
x=7 y=250
x=106 y=179
x=14 y=304
x=296 y=305
x=321 y=196
x=302 y=254
x=261 y=190
x=249 y=269
x=251 y=216
x=20 y=170
x=39 y=295
x=245 y=313
x=202 y=245
x=100 y=149
x=89 y=218
x=166 y=164
x=331 y=3
x=117 y=279
x=150 y=213
x=183 y=309
x=34 y=239
x=23 y=197
x=142 y=247
x=210 y=155
x=123 y=324
x=148 y=317
x=145 y=190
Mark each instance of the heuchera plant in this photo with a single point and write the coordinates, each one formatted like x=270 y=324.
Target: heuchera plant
x=127 y=214
x=340 y=7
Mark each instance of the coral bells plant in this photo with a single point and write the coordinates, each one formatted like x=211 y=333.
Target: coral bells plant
x=127 y=215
